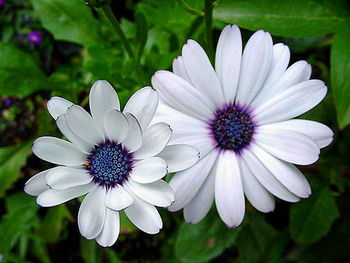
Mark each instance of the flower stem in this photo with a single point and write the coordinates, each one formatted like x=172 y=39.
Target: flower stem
x=190 y=9
x=208 y=19
x=109 y=14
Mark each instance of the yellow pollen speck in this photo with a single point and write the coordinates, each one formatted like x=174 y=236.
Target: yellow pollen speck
x=86 y=163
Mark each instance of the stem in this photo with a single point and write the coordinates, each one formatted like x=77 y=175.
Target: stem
x=190 y=9
x=109 y=14
x=208 y=19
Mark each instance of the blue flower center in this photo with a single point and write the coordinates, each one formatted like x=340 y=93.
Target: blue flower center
x=109 y=164
x=232 y=128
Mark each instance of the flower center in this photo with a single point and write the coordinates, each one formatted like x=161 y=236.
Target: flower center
x=109 y=164
x=232 y=128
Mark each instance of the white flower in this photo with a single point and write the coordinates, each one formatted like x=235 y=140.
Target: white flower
x=114 y=158
x=239 y=116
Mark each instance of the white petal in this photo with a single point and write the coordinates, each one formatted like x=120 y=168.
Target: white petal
x=157 y=193
x=102 y=99
x=228 y=60
x=81 y=144
x=298 y=72
x=83 y=125
x=118 y=199
x=172 y=90
x=287 y=145
x=229 y=196
x=187 y=183
x=155 y=139
x=200 y=205
x=257 y=195
x=317 y=131
x=37 y=184
x=92 y=213
x=149 y=170
x=144 y=216
x=116 y=126
x=201 y=72
x=110 y=230
x=58 y=151
x=291 y=103
x=143 y=105
x=133 y=140
x=179 y=157
x=284 y=172
x=180 y=70
x=264 y=176
x=256 y=62
x=60 y=178
x=57 y=106
x=53 y=197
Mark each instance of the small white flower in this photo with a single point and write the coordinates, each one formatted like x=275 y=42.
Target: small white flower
x=114 y=158
x=239 y=116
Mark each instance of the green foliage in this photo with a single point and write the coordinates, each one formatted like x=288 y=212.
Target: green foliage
x=311 y=219
x=289 y=18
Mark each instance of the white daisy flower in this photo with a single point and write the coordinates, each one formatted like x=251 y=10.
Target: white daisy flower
x=114 y=158
x=240 y=117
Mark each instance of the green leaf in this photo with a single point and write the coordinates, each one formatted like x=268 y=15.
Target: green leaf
x=205 y=240
x=290 y=18
x=340 y=74
x=19 y=74
x=141 y=33
x=311 y=219
x=11 y=160
x=68 y=20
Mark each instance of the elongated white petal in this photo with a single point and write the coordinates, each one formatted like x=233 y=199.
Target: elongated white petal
x=133 y=140
x=102 y=99
x=143 y=105
x=58 y=151
x=144 y=216
x=155 y=138
x=116 y=126
x=57 y=106
x=264 y=176
x=118 y=199
x=291 y=103
x=172 y=88
x=228 y=60
x=200 y=71
x=287 y=145
x=180 y=70
x=298 y=72
x=179 y=157
x=92 y=213
x=37 y=184
x=256 y=62
x=149 y=170
x=284 y=172
x=229 y=196
x=54 y=197
x=200 y=205
x=110 y=230
x=322 y=134
x=61 y=177
x=83 y=125
x=81 y=144
x=157 y=193
x=257 y=195
x=187 y=183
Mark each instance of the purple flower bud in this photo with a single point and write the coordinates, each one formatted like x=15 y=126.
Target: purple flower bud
x=7 y=102
x=2 y=3
x=34 y=37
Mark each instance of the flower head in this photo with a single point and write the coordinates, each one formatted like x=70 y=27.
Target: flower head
x=240 y=117
x=2 y=3
x=34 y=38
x=115 y=158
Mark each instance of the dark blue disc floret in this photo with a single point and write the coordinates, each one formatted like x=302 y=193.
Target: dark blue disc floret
x=109 y=164
x=232 y=128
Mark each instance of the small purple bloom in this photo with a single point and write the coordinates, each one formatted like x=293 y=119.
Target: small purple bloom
x=2 y=3
x=7 y=103
x=34 y=37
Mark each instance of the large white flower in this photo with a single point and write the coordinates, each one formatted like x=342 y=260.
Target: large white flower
x=115 y=158
x=240 y=118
